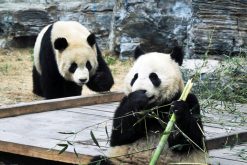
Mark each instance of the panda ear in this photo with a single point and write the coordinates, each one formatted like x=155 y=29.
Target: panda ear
x=138 y=52
x=91 y=39
x=177 y=55
x=60 y=44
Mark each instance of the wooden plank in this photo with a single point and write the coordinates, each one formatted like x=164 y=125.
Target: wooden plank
x=33 y=128
x=91 y=112
x=43 y=153
x=34 y=133
x=214 y=130
x=55 y=104
x=229 y=156
x=101 y=108
x=226 y=140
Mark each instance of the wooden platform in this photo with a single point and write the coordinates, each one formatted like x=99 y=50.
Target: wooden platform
x=24 y=131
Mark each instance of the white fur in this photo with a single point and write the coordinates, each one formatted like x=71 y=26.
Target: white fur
x=167 y=70
x=78 y=50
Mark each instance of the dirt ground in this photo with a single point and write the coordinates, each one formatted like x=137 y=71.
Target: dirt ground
x=16 y=76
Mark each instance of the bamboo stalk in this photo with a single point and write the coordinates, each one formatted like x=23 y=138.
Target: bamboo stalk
x=169 y=126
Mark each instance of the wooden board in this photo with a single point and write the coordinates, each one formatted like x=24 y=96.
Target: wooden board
x=230 y=155
x=37 y=134
x=54 y=104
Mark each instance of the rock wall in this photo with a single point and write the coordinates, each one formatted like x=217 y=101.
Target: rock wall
x=22 y=20
x=213 y=27
x=218 y=27
x=156 y=25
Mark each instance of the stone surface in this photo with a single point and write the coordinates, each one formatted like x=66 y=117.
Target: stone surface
x=218 y=27
x=22 y=20
x=156 y=25
x=201 y=27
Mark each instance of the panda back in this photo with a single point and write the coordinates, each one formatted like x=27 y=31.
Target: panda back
x=37 y=45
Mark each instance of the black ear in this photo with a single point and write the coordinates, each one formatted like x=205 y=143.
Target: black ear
x=177 y=55
x=138 y=52
x=91 y=39
x=60 y=44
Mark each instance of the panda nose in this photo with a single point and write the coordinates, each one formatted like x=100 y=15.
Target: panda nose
x=143 y=91
x=83 y=80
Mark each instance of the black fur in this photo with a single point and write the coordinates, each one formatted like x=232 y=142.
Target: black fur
x=91 y=39
x=155 y=79
x=52 y=85
x=125 y=130
x=102 y=80
x=61 y=44
x=134 y=79
x=177 y=55
x=36 y=82
x=138 y=52
x=129 y=126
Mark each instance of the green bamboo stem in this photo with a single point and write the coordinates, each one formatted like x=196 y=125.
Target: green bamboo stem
x=169 y=126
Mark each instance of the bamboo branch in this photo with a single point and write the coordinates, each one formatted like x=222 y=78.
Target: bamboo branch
x=169 y=126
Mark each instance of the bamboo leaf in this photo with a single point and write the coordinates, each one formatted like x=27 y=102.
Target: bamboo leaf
x=64 y=148
x=69 y=143
x=67 y=133
x=76 y=153
x=106 y=131
x=62 y=145
x=94 y=139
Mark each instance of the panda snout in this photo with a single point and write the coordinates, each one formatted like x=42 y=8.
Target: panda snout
x=143 y=91
x=150 y=97
x=83 y=81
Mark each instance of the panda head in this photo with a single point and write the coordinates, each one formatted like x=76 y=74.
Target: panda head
x=156 y=73
x=76 y=57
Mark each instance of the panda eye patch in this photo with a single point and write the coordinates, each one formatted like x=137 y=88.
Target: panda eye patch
x=154 y=79
x=88 y=65
x=72 y=67
x=134 y=79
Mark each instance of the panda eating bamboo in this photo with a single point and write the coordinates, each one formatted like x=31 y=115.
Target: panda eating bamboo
x=153 y=87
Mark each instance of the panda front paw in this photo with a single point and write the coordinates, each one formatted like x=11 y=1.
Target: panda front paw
x=138 y=99
x=180 y=109
x=100 y=82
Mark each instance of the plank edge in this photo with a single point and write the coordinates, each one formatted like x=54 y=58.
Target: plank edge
x=43 y=153
x=56 y=104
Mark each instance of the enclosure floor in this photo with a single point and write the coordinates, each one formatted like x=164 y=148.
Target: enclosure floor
x=48 y=129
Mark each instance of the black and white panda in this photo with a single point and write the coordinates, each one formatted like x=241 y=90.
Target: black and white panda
x=66 y=57
x=153 y=85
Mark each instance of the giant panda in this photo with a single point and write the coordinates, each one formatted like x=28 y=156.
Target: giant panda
x=66 y=57
x=153 y=87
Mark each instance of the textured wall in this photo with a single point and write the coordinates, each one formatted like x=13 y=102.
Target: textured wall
x=219 y=26
x=24 y=19
x=157 y=25
x=215 y=26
